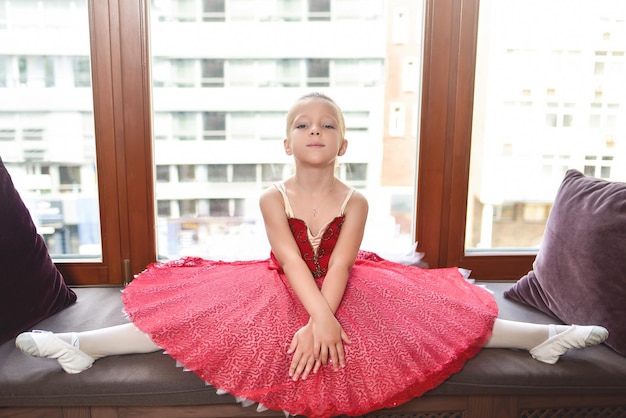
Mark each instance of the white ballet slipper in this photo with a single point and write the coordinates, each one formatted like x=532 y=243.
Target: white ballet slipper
x=46 y=344
x=576 y=336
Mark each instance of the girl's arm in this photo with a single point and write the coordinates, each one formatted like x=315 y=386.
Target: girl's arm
x=304 y=346
x=288 y=255
x=322 y=328
x=345 y=251
x=341 y=261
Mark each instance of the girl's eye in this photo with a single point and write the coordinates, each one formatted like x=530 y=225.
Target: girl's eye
x=300 y=126
x=329 y=127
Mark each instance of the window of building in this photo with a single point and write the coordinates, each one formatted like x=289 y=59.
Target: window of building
x=188 y=207
x=397 y=114
x=213 y=10
x=400 y=25
x=22 y=63
x=244 y=173
x=345 y=72
x=217 y=173
x=410 y=74
x=183 y=72
x=212 y=72
x=214 y=125
x=271 y=173
x=183 y=11
x=242 y=125
x=186 y=173
x=184 y=128
x=48 y=64
x=241 y=73
x=69 y=178
x=288 y=72
x=271 y=126
x=4 y=73
x=318 y=72
x=356 y=172
x=357 y=121
x=162 y=173
x=164 y=208
x=319 y=10
x=32 y=134
x=219 y=207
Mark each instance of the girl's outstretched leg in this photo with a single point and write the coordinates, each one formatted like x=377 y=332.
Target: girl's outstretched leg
x=76 y=351
x=545 y=343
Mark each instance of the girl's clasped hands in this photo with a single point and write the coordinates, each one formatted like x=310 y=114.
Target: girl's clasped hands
x=319 y=343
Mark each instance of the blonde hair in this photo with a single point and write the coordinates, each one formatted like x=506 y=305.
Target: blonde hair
x=316 y=96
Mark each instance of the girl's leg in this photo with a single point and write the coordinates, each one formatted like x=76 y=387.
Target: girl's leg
x=112 y=341
x=76 y=351
x=545 y=343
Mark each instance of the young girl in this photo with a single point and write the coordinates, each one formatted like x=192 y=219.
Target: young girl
x=320 y=328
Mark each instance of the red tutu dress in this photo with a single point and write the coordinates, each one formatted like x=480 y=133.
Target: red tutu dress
x=231 y=323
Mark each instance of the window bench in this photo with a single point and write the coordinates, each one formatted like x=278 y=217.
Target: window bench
x=495 y=383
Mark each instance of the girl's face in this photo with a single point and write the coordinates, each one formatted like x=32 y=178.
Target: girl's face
x=315 y=131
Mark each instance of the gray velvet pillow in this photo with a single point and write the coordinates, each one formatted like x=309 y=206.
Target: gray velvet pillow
x=579 y=274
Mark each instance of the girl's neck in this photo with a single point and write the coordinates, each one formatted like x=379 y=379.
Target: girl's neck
x=315 y=185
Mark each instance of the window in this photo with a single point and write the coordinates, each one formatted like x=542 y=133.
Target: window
x=164 y=208
x=288 y=72
x=183 y=72
x=440 y=204
x=318 y=72
x=242 y=121
x=4 y=74
x=244 y=173
x=319 y=10
x=213 y=11
x=218 y=173
x=186 y=173
x=212 y=73
x=163 y=173
x=219 y=207
x=187 y=208
x=557 y=65
x=69 y=178
x=214 y=125
x=242 y=125
x=82 y=72
x=271 y=173
x=396 y=119
x=356 y=172
x=184 y=126
x=47 y=130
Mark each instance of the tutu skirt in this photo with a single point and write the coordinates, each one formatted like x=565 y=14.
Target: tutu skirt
x=231 y=323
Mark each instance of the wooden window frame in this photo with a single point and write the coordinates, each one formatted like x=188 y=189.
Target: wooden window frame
x=121 y=95
x=450 y=38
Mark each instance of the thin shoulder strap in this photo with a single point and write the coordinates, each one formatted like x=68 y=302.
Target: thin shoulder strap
x=281 y=188
x=345 y=201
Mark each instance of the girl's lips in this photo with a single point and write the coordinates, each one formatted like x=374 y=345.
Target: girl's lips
x=316 y=144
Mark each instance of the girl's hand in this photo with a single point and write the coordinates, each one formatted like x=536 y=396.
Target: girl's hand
x=303 y=361
x=328 y=341
x=315 y=344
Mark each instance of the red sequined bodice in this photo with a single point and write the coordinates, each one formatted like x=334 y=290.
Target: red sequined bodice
x=317 y=261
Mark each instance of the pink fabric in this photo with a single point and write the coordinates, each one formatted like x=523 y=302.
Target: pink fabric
x=231 y=323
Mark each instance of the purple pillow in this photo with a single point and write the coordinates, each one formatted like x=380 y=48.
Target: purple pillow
x=579 y=274
x=31 y=287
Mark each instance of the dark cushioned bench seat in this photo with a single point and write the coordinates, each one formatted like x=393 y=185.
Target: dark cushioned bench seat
x=153 y=380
